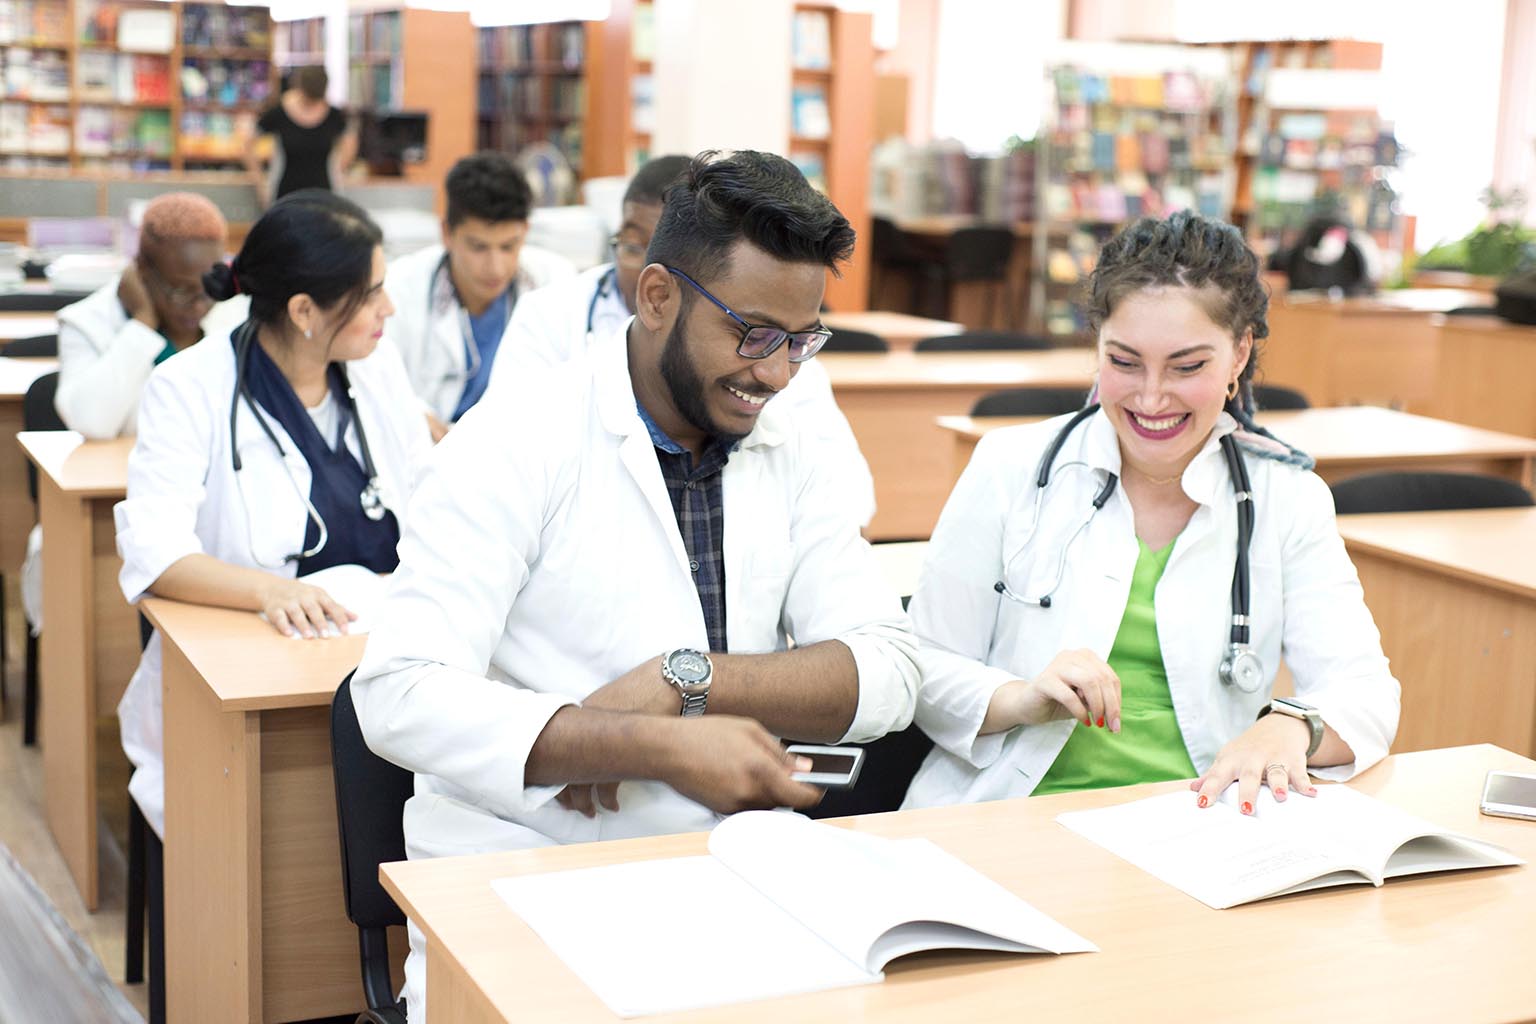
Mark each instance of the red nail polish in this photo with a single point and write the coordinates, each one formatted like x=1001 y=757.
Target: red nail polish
x=1205 y=801
x=1101 y=721
x=1247 y=807
x=1280 y=793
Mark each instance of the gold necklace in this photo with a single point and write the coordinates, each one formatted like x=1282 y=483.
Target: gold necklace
x=1159 y=481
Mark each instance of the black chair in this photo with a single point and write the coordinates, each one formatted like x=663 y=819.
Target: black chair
x=889 y=764
x=38 y=302
x=1031 y=402
x=42 y=345
x=979 y=254
x=855 y=341
x=1272 y=397
x=37 y=413
x=890 y=246
x=1426 y=492
x=370 y=800
x=985 y=341
x=145 y=896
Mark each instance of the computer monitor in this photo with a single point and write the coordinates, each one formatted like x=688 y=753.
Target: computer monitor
x=387 y=140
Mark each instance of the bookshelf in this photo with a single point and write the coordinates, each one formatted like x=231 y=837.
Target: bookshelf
x=532 y=87
x=1129 y=130
x=831 y=133
x=299 y=44
x=130 y=85
x=375 y=60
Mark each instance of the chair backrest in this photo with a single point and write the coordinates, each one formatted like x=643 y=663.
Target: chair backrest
x=1426 y=492
x=1274 y=397
x=1031 y=402
x=985 y=341
x=889 y=764
x=370 y=799
x=855 y=341
x=38 y=413
x=889 y=244
x=38 y=302
x=978 y=254
x=41 y=346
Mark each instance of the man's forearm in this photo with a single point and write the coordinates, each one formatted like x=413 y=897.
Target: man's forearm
x=589 y=745
x=810 y=693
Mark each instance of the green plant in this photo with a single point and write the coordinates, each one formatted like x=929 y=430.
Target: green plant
x=1496 y=248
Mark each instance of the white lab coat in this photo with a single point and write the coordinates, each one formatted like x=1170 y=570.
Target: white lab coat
x=105 y=358
x=429 y=325
x=543 y=560
x=183 y=498
x=1306 y=606
x=558 y=321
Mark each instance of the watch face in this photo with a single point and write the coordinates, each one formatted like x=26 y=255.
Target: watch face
x=689 y=666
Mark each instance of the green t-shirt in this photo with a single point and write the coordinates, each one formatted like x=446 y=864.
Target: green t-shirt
x=1149 y=746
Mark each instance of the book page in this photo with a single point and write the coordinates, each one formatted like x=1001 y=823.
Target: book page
x=666 y=935
x=875 y=899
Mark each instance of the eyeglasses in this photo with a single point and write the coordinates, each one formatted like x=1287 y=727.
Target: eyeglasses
x=177 y=295
x=761 y=342
x=629 y=254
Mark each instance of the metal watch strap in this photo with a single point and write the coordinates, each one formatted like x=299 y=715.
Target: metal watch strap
x=1309 y=716
x=693 y=704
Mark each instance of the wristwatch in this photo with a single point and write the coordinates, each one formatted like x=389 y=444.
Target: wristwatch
x=689 y=672
x=1304 y=712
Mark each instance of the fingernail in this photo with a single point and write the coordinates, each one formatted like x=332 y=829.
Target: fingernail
x=1280 y=793
x=1205 y=801
x=1247 y=807
x=804 y=764
x=1114 y=725
x=1312 y=790
x=1101 y=721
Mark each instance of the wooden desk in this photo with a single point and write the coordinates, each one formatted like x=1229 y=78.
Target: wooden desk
x=90 y=643
x=1453 y=946
x=893 y=402
x=1454 y=595
x=16 y=513
x=26 y=325
x=255 y=926
x=1345 y=442
x=1374 y=350
x=1487 y=374
x=901 y=330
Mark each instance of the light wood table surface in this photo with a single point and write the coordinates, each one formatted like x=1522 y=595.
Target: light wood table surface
x=900 y=330
x=255 y=924
x=1453 y=946
x=1454 y=595
x=1487 y=374
x=893 y=402
x=1344 y=441
x=16 y=512
x=90 y=641
x=27 y=325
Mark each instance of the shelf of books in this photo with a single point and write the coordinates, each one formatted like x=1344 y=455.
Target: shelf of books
x=299 y=44
x=1129 y=130
x=375 y=60
x=532 y=87
x=642 y=86
x=130 y=87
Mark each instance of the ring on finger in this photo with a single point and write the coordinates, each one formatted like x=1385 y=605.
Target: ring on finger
x=1276 y=766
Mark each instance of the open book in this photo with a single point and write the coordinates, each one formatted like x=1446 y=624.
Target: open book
x=1223 y=858
x=782 y=905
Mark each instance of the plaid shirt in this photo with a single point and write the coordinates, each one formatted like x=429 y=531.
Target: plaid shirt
x=698 y=501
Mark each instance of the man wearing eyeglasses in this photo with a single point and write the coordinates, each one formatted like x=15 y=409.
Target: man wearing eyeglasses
x=589 y=634
x=560 y=320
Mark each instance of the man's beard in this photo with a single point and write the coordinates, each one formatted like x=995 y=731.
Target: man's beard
x=687 y=388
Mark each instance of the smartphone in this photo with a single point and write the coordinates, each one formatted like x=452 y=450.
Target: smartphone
x=1509 y=795
x=830 y=766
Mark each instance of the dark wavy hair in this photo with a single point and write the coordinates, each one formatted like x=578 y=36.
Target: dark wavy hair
x=488 y=187
x=757 y=197
x=649 y=185
x=1189 y=251
x=310 y=242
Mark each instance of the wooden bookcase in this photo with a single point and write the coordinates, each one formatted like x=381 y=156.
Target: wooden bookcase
x=174 y=91
x=299 y=44
x=532 y=87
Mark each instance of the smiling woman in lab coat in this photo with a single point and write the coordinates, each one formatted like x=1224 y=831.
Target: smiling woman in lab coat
x=1082 y=632
x=278 y=450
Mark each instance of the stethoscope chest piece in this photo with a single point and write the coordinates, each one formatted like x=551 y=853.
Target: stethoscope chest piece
x=372 y=501
x=1242 y=668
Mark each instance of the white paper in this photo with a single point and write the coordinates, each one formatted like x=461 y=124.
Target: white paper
x=1224 y=858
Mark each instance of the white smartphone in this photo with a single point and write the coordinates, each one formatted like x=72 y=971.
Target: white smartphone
x=1510 y=795
x=830 y=766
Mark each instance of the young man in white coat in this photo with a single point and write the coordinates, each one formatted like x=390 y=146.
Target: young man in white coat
x=453 y=301
x=588 y=634
x=561 y=320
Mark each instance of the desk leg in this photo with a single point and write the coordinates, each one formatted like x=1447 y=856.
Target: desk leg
x=212 y=853
x=451 y=995
x=67 y=694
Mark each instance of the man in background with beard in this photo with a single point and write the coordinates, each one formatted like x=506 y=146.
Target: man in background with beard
x=588 y=634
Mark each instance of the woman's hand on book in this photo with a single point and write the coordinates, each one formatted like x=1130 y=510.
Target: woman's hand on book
x=1076 y=684
x=1272 y=752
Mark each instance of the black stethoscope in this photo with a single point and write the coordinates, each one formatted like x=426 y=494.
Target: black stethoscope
x=371 y=498
x=1241 y=667
x=608 y=280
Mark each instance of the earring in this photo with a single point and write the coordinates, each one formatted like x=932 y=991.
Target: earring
x=1232 y=391
x=309 y=334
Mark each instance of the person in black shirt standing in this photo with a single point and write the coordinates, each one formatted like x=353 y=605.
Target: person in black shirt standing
x=309 y=132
